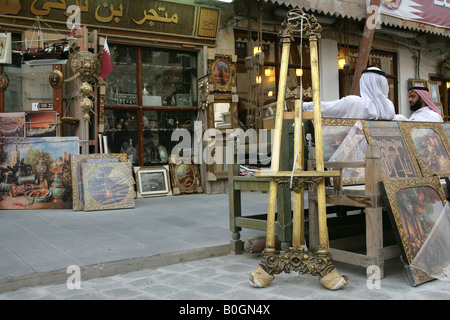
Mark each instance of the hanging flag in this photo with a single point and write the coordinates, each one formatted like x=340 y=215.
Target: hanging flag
x=107 y=64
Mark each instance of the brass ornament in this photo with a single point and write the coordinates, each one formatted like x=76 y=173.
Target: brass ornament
x=4 y=81
x=56 y=79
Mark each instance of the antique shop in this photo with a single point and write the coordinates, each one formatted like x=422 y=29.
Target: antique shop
x=178 y=63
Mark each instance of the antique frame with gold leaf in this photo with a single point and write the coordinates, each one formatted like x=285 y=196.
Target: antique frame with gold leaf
x=76 y=161
x=222 y=73
x=429 y=144
x=396 y=161
x=185 y=176
x=414 y=205
x=108 y=186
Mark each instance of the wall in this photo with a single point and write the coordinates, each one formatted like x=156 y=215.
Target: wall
x=328 y=70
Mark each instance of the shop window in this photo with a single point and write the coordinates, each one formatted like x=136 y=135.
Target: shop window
x=145 y=105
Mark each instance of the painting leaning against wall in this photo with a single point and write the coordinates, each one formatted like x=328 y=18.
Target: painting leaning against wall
x=36 y=173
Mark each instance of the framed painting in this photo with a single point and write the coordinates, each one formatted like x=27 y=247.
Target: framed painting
x=108 y=186
x=428 y=143
x=222 y=73
x=36 y=172
x=345 y=140
x=12 y=124
x=41 y=124
x=76 y=164
x=433 y=87
x=414 y=205
x=152 y=181
x=184 y=100
x=418 y=83
x=396 y=161
x=185 y=177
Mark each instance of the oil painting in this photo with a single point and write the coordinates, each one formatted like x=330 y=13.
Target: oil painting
x=77 y=172
x=396 y=161
x=185 y=177
x=36 y=172
x=12 y=124
x=414 y=205
x=428 y=143
x=345 y=140
x=108 y=186
x=152 y=181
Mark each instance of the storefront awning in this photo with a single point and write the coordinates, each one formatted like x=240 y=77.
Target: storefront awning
x=356 y=9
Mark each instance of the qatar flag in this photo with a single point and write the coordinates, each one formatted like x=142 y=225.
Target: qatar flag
x=434 y=12
x=107 y=64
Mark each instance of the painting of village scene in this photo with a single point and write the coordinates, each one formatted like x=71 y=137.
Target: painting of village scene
x=35 y=172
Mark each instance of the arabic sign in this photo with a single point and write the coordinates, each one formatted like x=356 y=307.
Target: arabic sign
x=434 y=12
x=153 y=16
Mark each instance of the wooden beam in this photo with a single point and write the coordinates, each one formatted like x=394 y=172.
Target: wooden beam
x=364 y=49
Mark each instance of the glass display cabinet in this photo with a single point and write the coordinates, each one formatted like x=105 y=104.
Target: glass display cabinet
x=151 y=93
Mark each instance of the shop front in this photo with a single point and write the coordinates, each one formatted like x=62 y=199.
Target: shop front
x=156 y=49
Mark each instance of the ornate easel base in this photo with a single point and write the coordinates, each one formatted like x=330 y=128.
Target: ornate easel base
x=299 y=260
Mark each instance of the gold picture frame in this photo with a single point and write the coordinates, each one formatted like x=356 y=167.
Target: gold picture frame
x=108 y=186
x=413 y=206
x=428 y=143
x=396 y=160
x=185 y=177
x=76 y=163
x=222 y=73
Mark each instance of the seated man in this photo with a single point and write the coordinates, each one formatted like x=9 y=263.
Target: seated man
x=373 y=104
x=422 y=106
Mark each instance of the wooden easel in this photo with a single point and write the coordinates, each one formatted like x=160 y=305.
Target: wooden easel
x=297 y=258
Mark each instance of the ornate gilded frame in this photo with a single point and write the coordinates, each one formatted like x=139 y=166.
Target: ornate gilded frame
x=76 y=162
x=411 y=203
x=185 y=177
x=386 y=134
x=148 y=172
x=431 y=149
x=334 y=132
x=222 y=73
x=108 y=186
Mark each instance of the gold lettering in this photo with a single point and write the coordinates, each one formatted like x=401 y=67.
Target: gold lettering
x=114 y=14
x=47 y=7
x=152 y=15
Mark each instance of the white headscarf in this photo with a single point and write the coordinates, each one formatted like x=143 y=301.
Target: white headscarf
x=373 y=104
x=374 y=89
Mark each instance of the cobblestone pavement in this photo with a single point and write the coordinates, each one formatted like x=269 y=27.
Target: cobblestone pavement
x=226 y=278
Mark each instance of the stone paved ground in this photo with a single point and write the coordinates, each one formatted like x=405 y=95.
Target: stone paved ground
x=226 y=278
